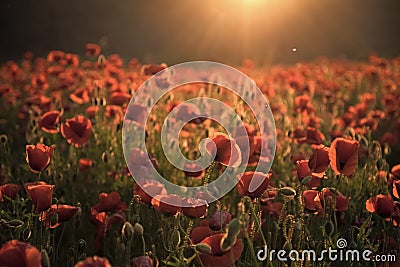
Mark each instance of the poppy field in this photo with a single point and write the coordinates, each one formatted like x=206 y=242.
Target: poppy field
x=68 y=198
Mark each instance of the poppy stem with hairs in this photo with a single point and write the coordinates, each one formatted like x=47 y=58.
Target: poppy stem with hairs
x=253 y=204
x=208 y=174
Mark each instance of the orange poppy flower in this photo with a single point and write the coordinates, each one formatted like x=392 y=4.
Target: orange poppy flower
x=15 y=253
x=159 y=203
x=194 y=208
x=77 y=130
x=218 y=257
x=225 y=149
x=343 y=156
x=9 y=190
x=38 y=157
x=64 y=214
x=49 y=121
x=92 y=50
x=252 y=184
x=41 y=195
x=94 y=262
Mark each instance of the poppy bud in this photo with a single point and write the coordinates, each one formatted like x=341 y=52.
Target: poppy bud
x=101 y=60
x=227 y=242
x=82 y=245
x=44 y=258
x=287 y=191
x=127 y=231
x=329 y=228
x=203 y=248
x=138 y=229
x=15 y=223
x=3 y=139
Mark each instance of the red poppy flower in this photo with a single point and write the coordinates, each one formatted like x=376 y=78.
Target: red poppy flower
x=142 y=163
x=219 y=220
x=194 y=208
x=9 y=190
x=55 y=56
x=91 y=111
x=159 y=203
x=103 y=222
x=383 y=205
x=199 y=233
x=269 y=206
x=64 y=214
x=142 y=261
x=41 y=195
x=49 y=121
x=120 y=98
x=225 y=149
x=309 y=201
x=342 y=202
x=319 y=160
x=303 y=171
x=15 y=253
x=218 y=257
x=191 y=170
x=146 y=189
x=80 y=95
x=38 y=157
x=85 y=164
x=136 y=113
x=312 y=136
x=110 y=202
x=152 y=69
x=396 y=188
x=114 y=111
x=396 y=171
x=92 y=50
x=343 y=156
x=77 y=130
x=94 y=262
x=253 y=184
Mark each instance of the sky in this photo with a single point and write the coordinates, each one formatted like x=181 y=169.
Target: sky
x=227 y=31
